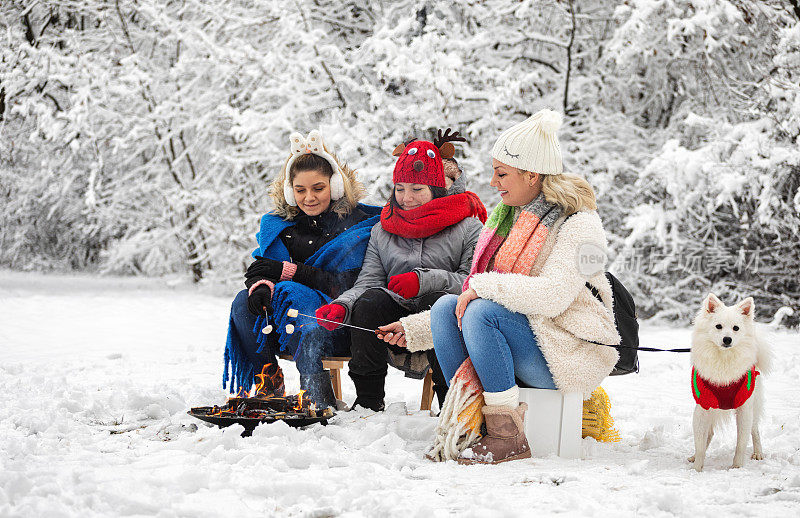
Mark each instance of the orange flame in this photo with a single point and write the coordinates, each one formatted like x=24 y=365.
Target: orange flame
x=264 y=378
x=267 y=382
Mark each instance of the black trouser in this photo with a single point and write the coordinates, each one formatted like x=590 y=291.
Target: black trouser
x=368 y=365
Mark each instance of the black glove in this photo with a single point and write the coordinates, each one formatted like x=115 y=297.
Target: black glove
x=264 y=268
x=260 y=300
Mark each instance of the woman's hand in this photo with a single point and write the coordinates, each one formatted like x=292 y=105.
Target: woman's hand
x=393 y=334
x=259 y=302
x=461 y=305
x=332 y=315
x=405 y=284
x=264 y=268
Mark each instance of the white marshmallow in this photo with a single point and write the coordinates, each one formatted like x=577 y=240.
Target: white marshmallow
x=267 y=330
x=292 y=313
x=289 y=329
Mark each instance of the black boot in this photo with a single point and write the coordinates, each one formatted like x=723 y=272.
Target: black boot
x=369 y=391
x=318 y=389
x=441 y=393
x=439 y=382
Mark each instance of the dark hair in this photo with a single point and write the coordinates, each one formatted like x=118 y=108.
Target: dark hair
x=437 y=192
x=310 y=162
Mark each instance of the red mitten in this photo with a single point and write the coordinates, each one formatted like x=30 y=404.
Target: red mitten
x=335 y=312
x=405 y=284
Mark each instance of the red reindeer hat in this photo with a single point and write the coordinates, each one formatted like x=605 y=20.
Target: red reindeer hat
x=420 y=161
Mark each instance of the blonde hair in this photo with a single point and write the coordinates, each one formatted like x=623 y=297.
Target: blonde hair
x=353 y=191
x=569 y=191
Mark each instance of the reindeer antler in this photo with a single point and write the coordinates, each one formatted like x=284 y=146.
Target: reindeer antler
x=444 y=142
x=447 y=137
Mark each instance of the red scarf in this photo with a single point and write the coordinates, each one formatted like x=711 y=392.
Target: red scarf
x=432 y=217
x=725 y=397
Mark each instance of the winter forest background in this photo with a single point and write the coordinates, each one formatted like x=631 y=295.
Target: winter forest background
x=139 y=136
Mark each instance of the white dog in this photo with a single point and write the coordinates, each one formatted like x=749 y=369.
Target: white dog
x=727 y=357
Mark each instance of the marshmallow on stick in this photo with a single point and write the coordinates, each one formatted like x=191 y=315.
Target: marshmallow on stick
x=267 y=330
x=289 y=329
x=293 y=313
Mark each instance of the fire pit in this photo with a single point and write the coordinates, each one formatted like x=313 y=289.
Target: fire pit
x=249 y=412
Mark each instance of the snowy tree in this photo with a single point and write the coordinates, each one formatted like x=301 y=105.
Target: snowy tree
x=718 y=203
x=139 y=136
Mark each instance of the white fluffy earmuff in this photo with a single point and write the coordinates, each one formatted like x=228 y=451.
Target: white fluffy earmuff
x=312 y=144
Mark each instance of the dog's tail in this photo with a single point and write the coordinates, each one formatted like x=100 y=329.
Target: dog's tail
x=764 y=355
x=782 y=313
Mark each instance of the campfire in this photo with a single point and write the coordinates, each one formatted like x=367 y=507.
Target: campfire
x=263 y=407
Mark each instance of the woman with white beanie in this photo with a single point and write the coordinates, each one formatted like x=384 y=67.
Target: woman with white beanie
x=526 y=311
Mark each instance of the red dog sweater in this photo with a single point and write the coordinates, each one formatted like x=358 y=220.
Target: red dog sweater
x=725 y=397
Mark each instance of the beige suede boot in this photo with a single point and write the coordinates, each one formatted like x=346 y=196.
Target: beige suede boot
x=505 y=438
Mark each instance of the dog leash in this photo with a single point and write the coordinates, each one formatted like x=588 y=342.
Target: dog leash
x=596 y=294
x=648 y=349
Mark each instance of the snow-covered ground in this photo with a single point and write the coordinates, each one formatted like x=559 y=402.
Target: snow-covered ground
x=96 y=376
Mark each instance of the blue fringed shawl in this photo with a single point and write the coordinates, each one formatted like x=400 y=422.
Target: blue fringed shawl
x=345 y=252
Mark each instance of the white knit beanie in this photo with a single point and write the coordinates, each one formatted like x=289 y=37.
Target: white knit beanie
x=532 y=145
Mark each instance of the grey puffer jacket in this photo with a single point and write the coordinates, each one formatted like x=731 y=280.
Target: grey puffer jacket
x=441 y=262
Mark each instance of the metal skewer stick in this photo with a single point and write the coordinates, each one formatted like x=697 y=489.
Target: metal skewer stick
x=373 y=331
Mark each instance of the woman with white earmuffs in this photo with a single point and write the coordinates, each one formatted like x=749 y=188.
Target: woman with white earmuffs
x=310 y=250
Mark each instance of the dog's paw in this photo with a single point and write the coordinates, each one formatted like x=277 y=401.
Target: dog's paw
x=757 y=456
x=698 y=466
x=690 y=459
x=737 y=464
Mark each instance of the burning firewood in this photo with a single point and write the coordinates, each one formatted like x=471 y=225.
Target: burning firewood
x=250 y=412
x=293 y=409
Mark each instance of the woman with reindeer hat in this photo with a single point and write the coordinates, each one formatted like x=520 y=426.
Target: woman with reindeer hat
x=526 y=312
x=310 y=250
x=421 y=250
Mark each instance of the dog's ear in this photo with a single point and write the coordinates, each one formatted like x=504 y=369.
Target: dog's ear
x=712 y=303
x=746 y=307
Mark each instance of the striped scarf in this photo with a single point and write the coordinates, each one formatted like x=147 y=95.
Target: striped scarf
x=516 y=243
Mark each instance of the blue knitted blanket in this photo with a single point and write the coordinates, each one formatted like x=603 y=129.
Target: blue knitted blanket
x=344 y=252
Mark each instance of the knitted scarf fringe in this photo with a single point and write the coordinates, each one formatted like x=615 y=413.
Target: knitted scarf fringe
x=597 y=420
x=454 y=432
x=261 y=338
x=239 y=370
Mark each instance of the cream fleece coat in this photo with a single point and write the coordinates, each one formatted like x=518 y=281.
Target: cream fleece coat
x=562 y=312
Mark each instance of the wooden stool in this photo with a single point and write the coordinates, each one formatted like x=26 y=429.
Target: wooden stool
x=427 y=391
x=335 y=363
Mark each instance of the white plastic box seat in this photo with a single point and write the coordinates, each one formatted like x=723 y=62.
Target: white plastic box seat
x=553 y=422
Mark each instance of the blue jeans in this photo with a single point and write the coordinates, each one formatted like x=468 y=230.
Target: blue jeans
x=499 y=342
x=316 y=344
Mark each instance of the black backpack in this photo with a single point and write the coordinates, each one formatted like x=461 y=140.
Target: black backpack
x=627 y=326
